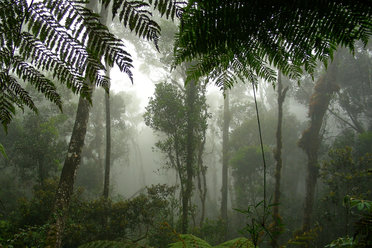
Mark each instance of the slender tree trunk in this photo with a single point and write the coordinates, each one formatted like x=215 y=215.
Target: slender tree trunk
x=139 y=161
x=311 y=138
x=278 y=157
x=67 y=179
x=202 y=181
x=106 y=184
x=225 y=155
x=191 y=92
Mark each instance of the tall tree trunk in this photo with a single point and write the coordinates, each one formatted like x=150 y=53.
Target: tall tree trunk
x=191 y=92
x=72 y=161
x=311 y=138
x=202 y=181
x=67 y=179
x=278 y=157
x=106 y=184
x=225 y=155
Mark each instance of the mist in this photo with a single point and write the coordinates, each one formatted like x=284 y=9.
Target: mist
x=269 y=158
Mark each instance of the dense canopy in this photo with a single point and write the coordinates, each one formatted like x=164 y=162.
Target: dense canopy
x=249 y=37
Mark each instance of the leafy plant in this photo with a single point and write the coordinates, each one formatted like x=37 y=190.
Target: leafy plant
x=110 y=244
x=191 y=241
x=2 y=151
x=346 y=242
x=257 y=217
x=303 y=239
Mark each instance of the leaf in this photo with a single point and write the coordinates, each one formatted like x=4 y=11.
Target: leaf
x=2 y=151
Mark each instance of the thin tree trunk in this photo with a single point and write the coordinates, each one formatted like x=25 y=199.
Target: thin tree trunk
x=225 y=156
x=67 y=179
x=106 y=184
x=311 y=138
x=279 y=163
x=202 y=182
x=191 y=92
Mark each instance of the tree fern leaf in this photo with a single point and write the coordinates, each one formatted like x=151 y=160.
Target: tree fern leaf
x=19 y=95
x=35 y=78
x=7 y=110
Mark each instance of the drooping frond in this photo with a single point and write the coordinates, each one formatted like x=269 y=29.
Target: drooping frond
x=169 y=8
x=65 y=39
x=78 y=37
x=290 y=36
x=29 y=74
x=137 y=16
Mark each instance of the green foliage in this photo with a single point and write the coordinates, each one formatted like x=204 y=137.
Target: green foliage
x=67 y=39
x=41 y=140
x=88 y=221
x=346 y=242
x=362 y=236
x=2 y=151
x=247 y=37
x=236 y=243
x=344 y=173
x=256 y=224
x=212 y=231
x=110 y=244
x=29 y=236
x=246 y=165
x=189 y=241
x=180 y=114
x=304 y=239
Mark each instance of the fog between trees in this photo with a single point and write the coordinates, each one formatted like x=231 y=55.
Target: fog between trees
x=166 y=156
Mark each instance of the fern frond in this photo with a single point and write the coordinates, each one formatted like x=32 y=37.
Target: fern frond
x=169 y=8
x=29 y=74
x=7 y=109
x=290 y=36
x=16 y=92
x=136 y=16
x=43 y=24
x=45 y=60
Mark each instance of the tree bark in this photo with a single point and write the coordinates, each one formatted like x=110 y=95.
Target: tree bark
x=279 y=163
x=67 y=179
x=225 y=155
x=311 y=139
